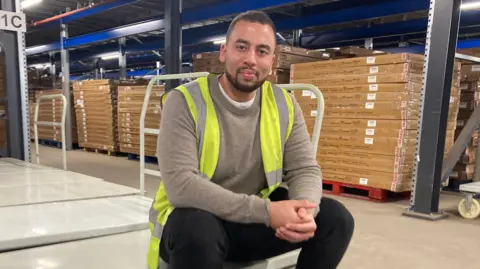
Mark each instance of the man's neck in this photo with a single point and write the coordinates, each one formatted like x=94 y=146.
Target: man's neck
x=233 y=93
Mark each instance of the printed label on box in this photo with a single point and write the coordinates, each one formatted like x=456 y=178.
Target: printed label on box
x=369 y=105
x=372 y=123
x=373 y=87
x=306 y=93
x=363 y=181
x=371 y=96
x=370 y=131
x=372 y=79
x=463 y=86
x=370 y=60
x=313 y=113
x=475 y=68
x=463 y=105
x=373 y=69
x=369 y=141
x=460 y=123
x=199 y=56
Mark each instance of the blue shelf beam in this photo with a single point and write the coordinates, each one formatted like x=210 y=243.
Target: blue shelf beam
x=190 y=16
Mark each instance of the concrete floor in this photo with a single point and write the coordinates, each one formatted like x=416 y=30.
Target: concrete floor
x=383 y=237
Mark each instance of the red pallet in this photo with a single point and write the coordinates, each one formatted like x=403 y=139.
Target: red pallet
x=362 y=192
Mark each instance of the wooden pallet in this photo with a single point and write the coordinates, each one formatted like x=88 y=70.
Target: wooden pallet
x=55 y=144
x=103 y=151
x=148 y=159
x=362 y=192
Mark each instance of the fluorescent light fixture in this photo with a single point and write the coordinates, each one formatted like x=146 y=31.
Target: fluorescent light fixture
x=110 y=56
x=30 y=3
x=220 y=41
x=474 y=5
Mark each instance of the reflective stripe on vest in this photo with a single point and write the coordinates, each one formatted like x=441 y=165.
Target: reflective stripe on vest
x=276 y=121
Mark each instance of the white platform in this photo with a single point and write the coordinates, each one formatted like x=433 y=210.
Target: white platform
x=471 y=187
x=9 y=165
x=40 y=224
x=23 y=183
x=122 y=251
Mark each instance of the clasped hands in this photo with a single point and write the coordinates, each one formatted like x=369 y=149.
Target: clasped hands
x=293 y=220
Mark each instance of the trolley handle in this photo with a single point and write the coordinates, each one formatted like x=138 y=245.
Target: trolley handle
x=320 y=109
x=60 y=124
x=144 y=130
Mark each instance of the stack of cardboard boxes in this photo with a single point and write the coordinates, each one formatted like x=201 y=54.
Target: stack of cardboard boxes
x=469 y=100
x=50 y=110
x=369 y=130
x=96 y=112
x=130 y=102
x=285 y=56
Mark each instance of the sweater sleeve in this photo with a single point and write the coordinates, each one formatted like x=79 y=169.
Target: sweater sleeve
x=302 y=172
x=179 y=165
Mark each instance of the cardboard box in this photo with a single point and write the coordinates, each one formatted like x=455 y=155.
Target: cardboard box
x=392 y=182
x=360 y=61
x=360 y=70
x=360 y=79
x=359 y=88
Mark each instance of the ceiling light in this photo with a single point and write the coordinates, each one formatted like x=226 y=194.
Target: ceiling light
x=110 y=56
x=29 y=3
x=220 y=41
x=474 y=5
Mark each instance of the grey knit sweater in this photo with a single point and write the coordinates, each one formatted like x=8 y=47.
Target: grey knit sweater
x=232 y=193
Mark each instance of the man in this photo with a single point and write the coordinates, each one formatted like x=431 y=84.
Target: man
x=226 y=144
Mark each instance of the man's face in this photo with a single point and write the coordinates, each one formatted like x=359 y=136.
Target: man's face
x=248 y=55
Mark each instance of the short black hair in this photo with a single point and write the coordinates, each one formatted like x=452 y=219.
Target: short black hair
x=252 y=16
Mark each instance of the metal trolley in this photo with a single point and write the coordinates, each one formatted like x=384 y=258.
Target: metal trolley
x=60 y=124
x=282 y=261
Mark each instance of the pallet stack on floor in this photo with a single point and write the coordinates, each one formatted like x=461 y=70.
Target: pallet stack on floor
x=368 y=136
x=130 y=102
x=50 y=110
x=285 y=56
x=469 y=100
x=96 y=112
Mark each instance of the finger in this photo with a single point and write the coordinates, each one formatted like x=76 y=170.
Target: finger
x=294 y=236
x=304 y=204
x=308 y=227
x=302 y=213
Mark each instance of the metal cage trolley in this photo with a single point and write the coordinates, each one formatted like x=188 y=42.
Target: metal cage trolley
x=60 y=124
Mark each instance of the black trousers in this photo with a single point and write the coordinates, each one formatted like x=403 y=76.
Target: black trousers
x=194 y=238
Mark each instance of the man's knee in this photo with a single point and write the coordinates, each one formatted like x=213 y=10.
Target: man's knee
x=194 y=228
x=340 y=216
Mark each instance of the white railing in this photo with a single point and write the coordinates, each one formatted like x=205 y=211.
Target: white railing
x=60 y=124
x=144 y=130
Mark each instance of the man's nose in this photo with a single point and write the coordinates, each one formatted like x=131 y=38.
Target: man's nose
x=250 y=57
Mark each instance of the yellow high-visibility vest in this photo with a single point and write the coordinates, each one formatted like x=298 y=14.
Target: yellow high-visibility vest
x=276 y=121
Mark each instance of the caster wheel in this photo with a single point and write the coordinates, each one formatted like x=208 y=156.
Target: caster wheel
x=469 y=214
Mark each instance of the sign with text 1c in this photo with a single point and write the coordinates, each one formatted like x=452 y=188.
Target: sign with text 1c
x=12 y=21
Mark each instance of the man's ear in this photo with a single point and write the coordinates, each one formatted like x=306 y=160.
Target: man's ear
x=223 y=51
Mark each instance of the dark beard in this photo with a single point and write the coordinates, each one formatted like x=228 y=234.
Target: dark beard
x=242 y=87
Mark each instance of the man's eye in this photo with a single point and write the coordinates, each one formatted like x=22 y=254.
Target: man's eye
x=241 y=47
x=263 y=52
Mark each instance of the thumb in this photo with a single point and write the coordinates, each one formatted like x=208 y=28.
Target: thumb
x=304 y=204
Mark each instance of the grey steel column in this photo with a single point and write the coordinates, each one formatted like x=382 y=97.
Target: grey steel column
x=173 y=41
x=66 y=87
x=122 y=59
x=18 y=130
x=297 y=33
x=96 y=67
x=442 y=33
x=53 y=69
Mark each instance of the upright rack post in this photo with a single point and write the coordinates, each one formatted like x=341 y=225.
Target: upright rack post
x=173 y=41
x=442 y=33
x=13 y=44
x=122 y=59
x=66 y=87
